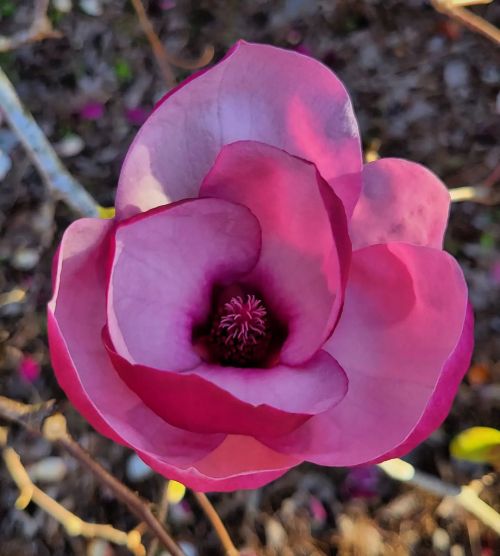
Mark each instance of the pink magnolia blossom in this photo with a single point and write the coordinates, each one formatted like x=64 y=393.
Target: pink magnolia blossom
x=261 y=298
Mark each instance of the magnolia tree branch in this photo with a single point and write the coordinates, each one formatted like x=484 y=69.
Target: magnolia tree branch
x=29 y=492
x=40 y=29
x=53 y=428
x=464 y=496
x=43 y=156
x=164 y=59
x=455 y=9
x=217 y=524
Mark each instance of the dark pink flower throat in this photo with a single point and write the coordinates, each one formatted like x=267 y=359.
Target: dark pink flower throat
x=240 y=331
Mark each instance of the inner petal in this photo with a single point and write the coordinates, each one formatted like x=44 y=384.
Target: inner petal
x=165 y=265
x=305 y=252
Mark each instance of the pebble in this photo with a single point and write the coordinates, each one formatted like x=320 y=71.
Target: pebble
x=48 y=470
x=25 y=258
x=63 y=6
x=440 y=540
x=137 y=470
x=92 y=7
x=70 y=146
x=275 y=535
x=99 y=547
x=456 y=74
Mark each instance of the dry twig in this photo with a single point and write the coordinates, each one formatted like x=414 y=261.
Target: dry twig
x=456 y=10
x=217 y=524
x=43 y=156
x=165 y=59
x=54 y=429
x=29 y=492
x=40 y=29
x=465 y=496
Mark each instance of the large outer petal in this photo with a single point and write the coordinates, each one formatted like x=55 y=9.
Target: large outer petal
x=165 y=265
x=305 y=255
x=76 y=316
x=400 y=201
x=405 y=342
x=259 y=93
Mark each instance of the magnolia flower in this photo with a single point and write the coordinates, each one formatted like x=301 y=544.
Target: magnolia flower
x=261 y=298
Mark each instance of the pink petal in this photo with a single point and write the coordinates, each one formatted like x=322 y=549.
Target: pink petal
x=400 y=201
x=240 y=462
x=165 y=265
x=77 y=313
x=305 y=247
x=213 y=399
x=259 y=93
x=405 y=343
x=76 y=316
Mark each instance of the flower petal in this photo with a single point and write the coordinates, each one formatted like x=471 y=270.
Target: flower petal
x=77 y=313
x=400 y=201
x=215 y=399
x=165 y=265
x=404 y=340
x=240 y=462
x=309 y=115
x=305 y=252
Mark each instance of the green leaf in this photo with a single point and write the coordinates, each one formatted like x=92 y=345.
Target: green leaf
x=123 y=70
x=478 y=444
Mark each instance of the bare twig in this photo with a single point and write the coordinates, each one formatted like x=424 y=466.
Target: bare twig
x=156 y=45
x=29 y=492
x=217 y=524
x=455 y=10
x=54 y=429
x=40 y=29
x=162 y=517
x=163 y=57
x=465 y=496
x=43 y=156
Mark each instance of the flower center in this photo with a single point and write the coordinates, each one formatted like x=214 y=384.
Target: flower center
x=240 y=333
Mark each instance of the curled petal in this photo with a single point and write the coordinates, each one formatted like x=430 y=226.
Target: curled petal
x=216 y=399
x=309 y=115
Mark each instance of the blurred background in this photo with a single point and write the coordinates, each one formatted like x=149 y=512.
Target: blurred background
x=423 y=87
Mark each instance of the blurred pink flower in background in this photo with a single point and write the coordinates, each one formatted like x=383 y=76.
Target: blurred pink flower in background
x=92 y=111
x=261 y=298
x=29 y=368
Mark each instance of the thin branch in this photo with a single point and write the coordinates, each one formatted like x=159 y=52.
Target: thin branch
x=43 y=156
x=164 y=59
x=39 y=30
x=217 y=524
x=156 y=45
x=162 y=517
x=455 y=10
x=29 y=492
x=465 y=496
x=54 y=429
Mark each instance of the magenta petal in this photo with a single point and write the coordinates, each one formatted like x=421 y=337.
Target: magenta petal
x=405 y=342
x=240 y=462
x=305 y=251
x=258 y=93
x=165 y=265
x=400 y=201
x=77 y=313
x=190 y=401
